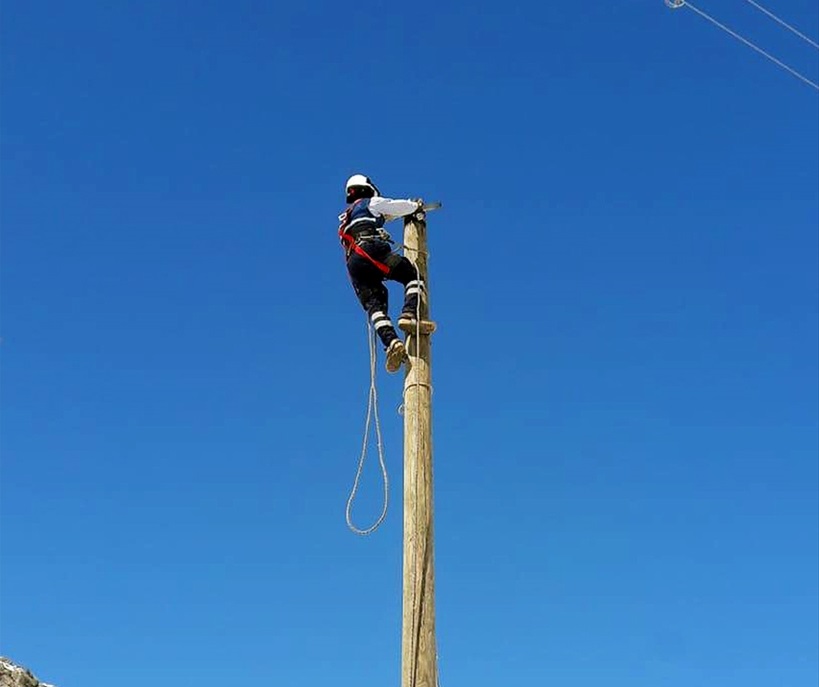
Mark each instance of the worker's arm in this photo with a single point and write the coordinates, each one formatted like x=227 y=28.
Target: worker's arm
x=393 y=208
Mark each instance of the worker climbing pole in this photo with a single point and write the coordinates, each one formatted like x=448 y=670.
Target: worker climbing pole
x=370 y=261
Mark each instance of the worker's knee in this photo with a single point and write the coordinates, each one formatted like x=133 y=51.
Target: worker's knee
x=401 y=268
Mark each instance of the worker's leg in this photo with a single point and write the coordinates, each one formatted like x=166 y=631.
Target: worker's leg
x=373 y=295
x=404 y=272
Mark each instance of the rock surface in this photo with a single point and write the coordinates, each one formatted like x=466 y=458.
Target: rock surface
x=12 y=675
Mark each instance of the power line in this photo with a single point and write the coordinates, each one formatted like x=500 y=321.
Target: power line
x=676 y=4
x=783 y=23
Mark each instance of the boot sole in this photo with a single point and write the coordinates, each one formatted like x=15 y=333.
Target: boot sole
x=395 y=358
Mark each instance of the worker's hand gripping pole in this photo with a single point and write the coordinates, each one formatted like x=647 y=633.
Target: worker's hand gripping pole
x=421 y=213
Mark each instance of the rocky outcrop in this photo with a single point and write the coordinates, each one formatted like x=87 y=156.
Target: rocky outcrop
x=12 y=675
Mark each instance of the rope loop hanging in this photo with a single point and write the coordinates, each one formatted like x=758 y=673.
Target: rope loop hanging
x=372 y=417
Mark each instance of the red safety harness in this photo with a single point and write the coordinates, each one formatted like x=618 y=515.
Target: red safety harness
x=348 y=240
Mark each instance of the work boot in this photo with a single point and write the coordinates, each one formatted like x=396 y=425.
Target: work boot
x=396 y=353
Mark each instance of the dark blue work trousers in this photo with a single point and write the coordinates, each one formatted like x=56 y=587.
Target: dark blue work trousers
x=368 y=282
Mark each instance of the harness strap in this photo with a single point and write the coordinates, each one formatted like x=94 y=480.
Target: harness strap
x=352 y=244
x=358 y=250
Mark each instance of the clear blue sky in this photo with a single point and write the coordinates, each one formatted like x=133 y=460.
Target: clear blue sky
x=626 y=381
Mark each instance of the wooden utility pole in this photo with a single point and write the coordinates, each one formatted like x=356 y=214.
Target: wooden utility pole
x=419 y=653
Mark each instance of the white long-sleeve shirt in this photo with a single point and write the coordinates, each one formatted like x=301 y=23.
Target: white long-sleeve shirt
x=389 y=207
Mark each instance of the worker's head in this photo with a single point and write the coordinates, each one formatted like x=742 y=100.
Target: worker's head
x=360 y=186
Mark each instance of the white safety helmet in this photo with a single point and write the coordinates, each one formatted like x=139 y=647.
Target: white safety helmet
x=360 y=181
